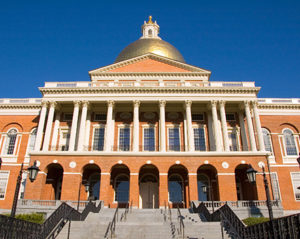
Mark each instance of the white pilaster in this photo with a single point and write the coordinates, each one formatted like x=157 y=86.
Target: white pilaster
x=215 y=126
x=49 y=126
x=250 y=126
x=74 y=126
x=212 y=144
x=82 y=125
x=55 y=130
x=224 y=125
x=162 y=124
x=87 y=131
x=109 y=137
x=258 y=127
x=243 y=131
x=39 y=135
x=190 y=132
x=136 y=105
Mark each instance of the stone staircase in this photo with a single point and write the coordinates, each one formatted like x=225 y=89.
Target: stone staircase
x=143 y=224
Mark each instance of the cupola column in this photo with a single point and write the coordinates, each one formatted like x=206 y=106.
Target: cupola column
x=162 y=125
x=74 y=126
x=224 y=125
x=215 y=125
x=41 y=125
x=190 y=133
x=109 y=131
x=82 y=125
x=250 y=126
x=258 y=127
x=49 y=126
x=136 y=105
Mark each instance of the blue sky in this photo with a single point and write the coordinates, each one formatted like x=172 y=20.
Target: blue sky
x=62 y=40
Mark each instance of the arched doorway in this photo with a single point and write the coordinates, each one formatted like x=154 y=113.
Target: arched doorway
x=53 y=184
x=91 y=175
x=177 y=185
x=207 y=181
x=120 y=176
x=148 y=187
x=244 y=189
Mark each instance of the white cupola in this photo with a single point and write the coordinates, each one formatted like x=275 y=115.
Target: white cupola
x=150 y=29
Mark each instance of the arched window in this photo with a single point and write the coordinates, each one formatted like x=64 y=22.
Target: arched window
x=122 y=189
x=289 y=142
x=150 y=33
x=32 y=139
x=94 y=181
x=267 y=140
x=203 y=187
x=175 y=188
x=11 y=141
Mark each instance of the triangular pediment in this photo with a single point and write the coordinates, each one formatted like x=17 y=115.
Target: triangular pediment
x=149 y=63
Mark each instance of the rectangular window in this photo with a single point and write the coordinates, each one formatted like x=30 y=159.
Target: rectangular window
x=230 y=117
x=149 y=139
x=199 y=139
x=124 y=139
x=98 y=143
x=3 y=183
x=64 y=140
x=275 y=186
x=68 y=117
x=232 y=141
x=174 y=139
x=100 y=117
x=197 y=117
x=296 y=184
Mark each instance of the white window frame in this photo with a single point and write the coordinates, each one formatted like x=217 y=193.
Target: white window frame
x=293 y=184
x=147 y=126
x=62 y=130
x=276 y=175
x=197 y=126
x=271 y=157
x=8 y=173
x=288 y=158
x=18 y=139
x=173 y=126
x=29 y=140
x=122 y=126
x=238 y=133
x=98 y=126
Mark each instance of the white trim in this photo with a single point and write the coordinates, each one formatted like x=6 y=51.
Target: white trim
x=5 y=135
x=41 y=172
x=123 y=126
x=226 y=174
x=289 y=158
x=105 y=173
x=72 y=173
x=284 y=165
x=237 y=135
x=14 y=164
x=5 y=171
x=192 y=174
x=198 y=126
x=294 y=184
x=163 y=174
x=134 y=173
x=275 y=173
x=98 y=126
x=148 y=126
x=29 y=140
x=173 y=126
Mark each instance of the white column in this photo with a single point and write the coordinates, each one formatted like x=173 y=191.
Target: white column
x=212 y=143
x=250 y=126
x=39 y=135
x=109 y=137
x=243 y=131
x=215 y=126
x=49 y=126
x=190 y=132
x=55 y=130
x=258 y=127
x=87 y=131
x=82 y=125
x=74 y=126
x=136 y=105
x=224 y=125
x=162 y=126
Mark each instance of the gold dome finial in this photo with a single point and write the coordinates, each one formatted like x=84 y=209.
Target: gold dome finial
x=150 y=20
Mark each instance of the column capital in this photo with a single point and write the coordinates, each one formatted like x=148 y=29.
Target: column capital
x=188 y=103
x=44 y=103
x=76 y=103
x=110 y=103
x=52 y=104
x=213 y=103
x=136 y=103
x=85 y=103
x=162 y=103
x=222 y=103
x=255 y=103
x=247 y=103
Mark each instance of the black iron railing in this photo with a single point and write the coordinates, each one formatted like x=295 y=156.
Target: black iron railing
x=111 y=229
x=181 y=224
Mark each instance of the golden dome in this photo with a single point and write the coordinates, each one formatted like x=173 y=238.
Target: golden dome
x=150 y=45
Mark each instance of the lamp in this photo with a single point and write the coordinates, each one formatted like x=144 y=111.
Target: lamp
x=33 y=171
x=251 y=174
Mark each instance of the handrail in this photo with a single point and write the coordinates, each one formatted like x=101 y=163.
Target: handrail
x=170 y=212
x=181 y=224
x=112 y=225
x=124 y=214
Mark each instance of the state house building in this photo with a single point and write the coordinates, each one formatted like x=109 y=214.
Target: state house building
x=150 y=129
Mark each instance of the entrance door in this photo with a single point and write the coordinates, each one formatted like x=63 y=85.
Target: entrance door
x=149 y=195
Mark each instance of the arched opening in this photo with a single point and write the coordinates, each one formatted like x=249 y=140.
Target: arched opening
x=92 y=176
x=244 y=189
x=53 y=184
x=178 y=185
x=120 y=176
x=207 y=181
x=148 y=187
x=150 y=33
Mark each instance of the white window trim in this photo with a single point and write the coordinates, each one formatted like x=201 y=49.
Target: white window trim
x=280 y=198
x=197 y=126
x=288 y=158
x=63 y=129
x=18 y=139
x=5 y=171
x=272 y=156
x=122 y=126
x=147 y=126
x=238 y=134
x=173 y=126
x=297 y=200
x=28 y=143
x=98 y=126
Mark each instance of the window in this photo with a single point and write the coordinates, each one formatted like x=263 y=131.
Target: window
x=296 y=184
x=199 y=139
x=98 y=143
x=230 y=117
x=174 y=139
x=150 y=33
x=149 y=139
x=124 y=138
x=68 y=117
x=197 y=117
x=32 y=139
x=64 y=139
x=289 y=143
x=232 y=138
x=202 y=183
x=100 y=117
x=10 y=142
x=3 y=183
x=175 y=186
x=267 y=140
x=275 y=186
x=122 y=189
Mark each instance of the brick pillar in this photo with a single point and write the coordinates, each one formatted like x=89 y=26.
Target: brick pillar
x=163 y=189
x=134 y=190
x=69 y=188
x=227 y=187
x=35 y=189
x=105 y=189
x=193 y=186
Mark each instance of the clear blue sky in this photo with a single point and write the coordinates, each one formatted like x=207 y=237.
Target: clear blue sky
x=62 y=40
